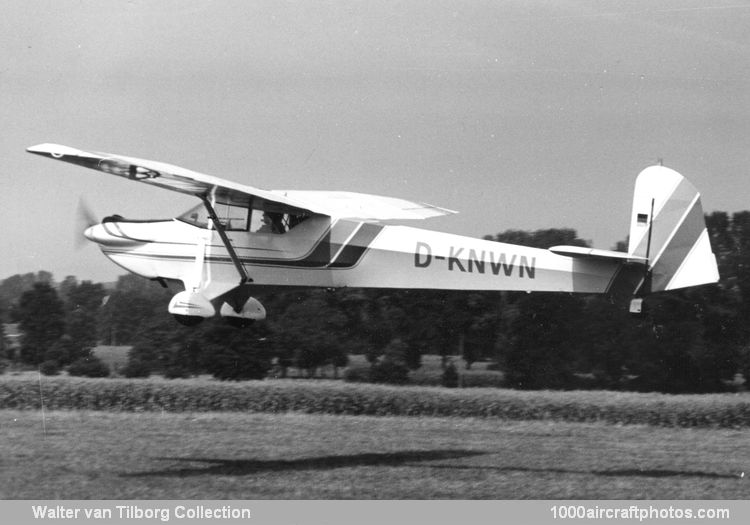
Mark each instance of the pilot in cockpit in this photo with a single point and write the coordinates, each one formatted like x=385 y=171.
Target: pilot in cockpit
x=272 y=223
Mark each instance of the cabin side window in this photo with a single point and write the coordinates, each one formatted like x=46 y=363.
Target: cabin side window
x=233 y=218
x=240 y=218
x=273 y=222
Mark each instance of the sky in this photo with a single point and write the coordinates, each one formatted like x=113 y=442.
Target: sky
x=518 y=114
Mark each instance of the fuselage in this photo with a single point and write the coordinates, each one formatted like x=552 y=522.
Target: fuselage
x=331 y=253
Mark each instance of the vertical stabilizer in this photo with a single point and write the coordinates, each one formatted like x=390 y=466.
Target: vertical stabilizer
x=668 y=228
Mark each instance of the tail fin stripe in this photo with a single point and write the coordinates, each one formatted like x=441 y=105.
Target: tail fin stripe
x=685 y=219
x=680 y=246
x=667 y=217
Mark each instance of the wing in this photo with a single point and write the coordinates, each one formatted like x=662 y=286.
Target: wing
x=336 y=204
x=363 y=206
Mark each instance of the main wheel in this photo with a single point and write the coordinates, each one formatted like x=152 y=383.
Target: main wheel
x=238 y=322
x=188 y=320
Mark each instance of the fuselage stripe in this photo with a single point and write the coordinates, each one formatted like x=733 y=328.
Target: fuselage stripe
x=354 y=250
x=347 y=254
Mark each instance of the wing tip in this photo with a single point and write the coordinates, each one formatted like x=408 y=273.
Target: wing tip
x=445 y=211
x=39 y=148
x=55 y=150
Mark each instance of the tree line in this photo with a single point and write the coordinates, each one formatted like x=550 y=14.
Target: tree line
x=694 y=340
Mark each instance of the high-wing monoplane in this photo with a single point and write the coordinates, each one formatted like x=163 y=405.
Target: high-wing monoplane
x=239 y=238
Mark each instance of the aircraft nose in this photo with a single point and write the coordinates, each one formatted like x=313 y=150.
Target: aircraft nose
x=109 y=233
x=90 y=233
x=99 y=234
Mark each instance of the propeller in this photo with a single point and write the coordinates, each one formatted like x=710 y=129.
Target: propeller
x=84 y=219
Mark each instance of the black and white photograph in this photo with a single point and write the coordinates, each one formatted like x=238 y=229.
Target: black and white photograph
x=375 y=251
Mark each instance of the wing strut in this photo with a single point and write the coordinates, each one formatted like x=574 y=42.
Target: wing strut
x=244 y=278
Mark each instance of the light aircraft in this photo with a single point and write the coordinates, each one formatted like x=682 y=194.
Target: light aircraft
x=239 y=238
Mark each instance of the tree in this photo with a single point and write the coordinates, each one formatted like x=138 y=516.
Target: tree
x=450 y=378
x=543 y=337
x=64 y=351
x=542 y=328
x=392 y=368
x=169 y=348
x=12 y=288
x=609 y=336
x=310 y=330
x=740 y=230
x=457 y=316
x=133 y=304
x=88 y=366
x=82 y=306
x=136 y=368
x=481 y=328
x=42 y=321
x=66 y=287
x=234 y=355
x=380 y=318
x=5 y=352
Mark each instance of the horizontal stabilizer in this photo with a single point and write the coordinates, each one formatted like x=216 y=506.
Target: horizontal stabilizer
x=593 y=253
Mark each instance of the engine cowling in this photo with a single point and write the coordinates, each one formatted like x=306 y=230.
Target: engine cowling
x=190 y=308
x=251 y=311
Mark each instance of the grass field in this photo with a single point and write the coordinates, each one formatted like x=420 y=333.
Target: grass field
x=151 y=455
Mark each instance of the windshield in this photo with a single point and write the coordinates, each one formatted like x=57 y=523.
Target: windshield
x=233 y=218
x=197 y=216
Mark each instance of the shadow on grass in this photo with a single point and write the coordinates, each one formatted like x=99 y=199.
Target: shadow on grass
x=645 y=473
x=664 y=473
x=243 y=467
